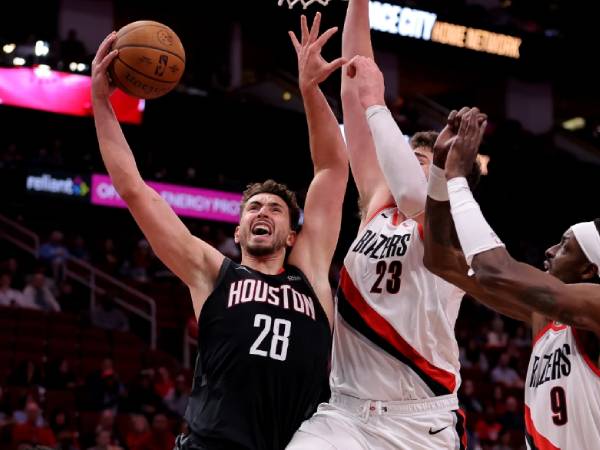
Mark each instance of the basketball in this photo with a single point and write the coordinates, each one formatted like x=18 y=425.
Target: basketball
x=150 y=62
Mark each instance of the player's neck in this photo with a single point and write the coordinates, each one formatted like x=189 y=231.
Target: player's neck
x=267 y=264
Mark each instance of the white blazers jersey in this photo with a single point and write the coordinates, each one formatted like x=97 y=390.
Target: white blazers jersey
x=394 y=331
x=562 y=393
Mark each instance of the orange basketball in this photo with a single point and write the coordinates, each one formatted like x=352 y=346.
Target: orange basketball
x=151 y=59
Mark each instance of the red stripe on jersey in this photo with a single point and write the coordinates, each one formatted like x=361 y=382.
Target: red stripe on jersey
x=551 y=326
x=383 y=328
x=396 y=218
x=421 y=232
x=383 y=208
x=583 y=353
x=541 y=443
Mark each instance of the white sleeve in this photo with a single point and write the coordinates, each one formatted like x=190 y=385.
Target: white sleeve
x=399 y=165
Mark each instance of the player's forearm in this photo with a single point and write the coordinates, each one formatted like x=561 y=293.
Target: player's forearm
x=326 y=143
x=441 y=244
x=356 y=35
x=116 y=154
x=400 y=167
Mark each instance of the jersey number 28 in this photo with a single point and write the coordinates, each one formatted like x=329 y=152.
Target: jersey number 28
x=279 y=339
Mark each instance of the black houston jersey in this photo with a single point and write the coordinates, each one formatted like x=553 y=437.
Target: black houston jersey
x=263 y=357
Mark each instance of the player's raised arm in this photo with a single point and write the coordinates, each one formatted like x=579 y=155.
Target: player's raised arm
x=516 y=284
x=372 y=188
x=316 y=242
x=191 y=259
x=443 y=253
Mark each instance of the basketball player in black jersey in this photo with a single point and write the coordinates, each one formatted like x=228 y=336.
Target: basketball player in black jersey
x=264 y=327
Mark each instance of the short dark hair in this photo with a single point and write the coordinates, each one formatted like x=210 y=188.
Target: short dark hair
x=278 y=189
x=424 y=139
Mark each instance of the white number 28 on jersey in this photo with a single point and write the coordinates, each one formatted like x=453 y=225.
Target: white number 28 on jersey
x=279 y=339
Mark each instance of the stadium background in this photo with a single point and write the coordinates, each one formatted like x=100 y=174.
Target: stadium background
x=237 y=117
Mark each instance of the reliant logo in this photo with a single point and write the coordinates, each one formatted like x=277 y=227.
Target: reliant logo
x=75 y=186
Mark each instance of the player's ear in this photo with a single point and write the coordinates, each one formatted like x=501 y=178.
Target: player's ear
x=590 y=271
x=236 y=235
x=291 y=239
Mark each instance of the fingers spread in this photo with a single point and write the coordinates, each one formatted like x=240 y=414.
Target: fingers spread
x=316 y=25
x=295 y=42
x=305 y=32
x=319 y=43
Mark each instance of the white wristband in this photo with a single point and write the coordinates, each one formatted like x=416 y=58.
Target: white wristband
x=437 y=187
x=474 y=233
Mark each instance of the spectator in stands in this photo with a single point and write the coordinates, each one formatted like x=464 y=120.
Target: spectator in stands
x=110 y=391
x=139 y=432
x=5 y=411
x=72 y=49
x=176 y=400
x=161 y=437
x=106 y=315
x=505 y=374
x=69 y=301
x=512 y=419
x=20 y=415
x=104 y=441
x=11 y=266
x=53 y=252
x=109 y=260
x=10 y=158
x=60 y=376
x=163 y=383
x=138 y=268
x=497 y=337
x=79 y=249
x=107 y=424
x=142 y=397
x=521 y=339
x=499 y=400
x=38 y=296
x=488 y=428
x=31 y=432
x=505 y=442
x=468 y=399
x=66 y=434
x=472 y=357
x=26 y=374
x=8 y=295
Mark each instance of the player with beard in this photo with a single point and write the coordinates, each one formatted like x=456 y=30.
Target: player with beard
x=264 y=324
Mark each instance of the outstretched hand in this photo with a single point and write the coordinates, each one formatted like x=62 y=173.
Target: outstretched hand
x=313 y=69
x=465 y=145
x=369 y=79
x=101 y=85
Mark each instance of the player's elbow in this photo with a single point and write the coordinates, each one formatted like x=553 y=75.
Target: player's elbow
x=495 y=273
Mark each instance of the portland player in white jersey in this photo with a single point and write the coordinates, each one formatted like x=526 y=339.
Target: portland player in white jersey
x=562 y=389
x=395 y=369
